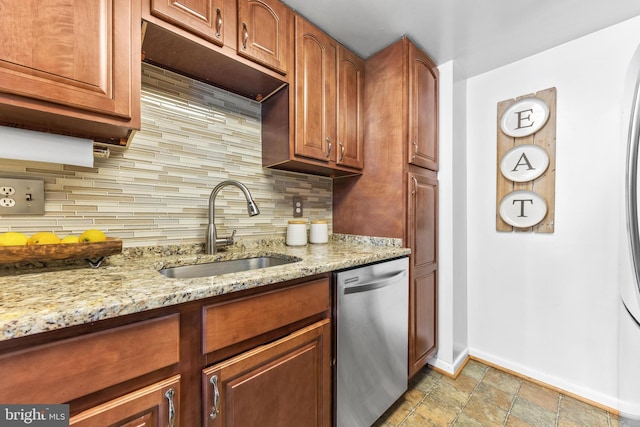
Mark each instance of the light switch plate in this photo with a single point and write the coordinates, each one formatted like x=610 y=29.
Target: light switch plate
x=21 y=196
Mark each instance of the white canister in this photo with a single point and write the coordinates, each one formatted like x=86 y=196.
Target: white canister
x=319 y=231
x=297 y=232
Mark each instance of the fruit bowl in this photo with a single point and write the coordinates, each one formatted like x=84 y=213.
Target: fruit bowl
x=60 y=251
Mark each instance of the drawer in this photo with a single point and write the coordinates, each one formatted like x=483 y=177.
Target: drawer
x=64 y=370
x=235 y=321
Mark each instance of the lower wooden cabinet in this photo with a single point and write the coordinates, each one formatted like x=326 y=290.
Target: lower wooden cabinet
x=269 y=350
x=283 y=383
x=157 y=405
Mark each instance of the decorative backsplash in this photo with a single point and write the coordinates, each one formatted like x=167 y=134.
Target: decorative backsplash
x=193 y=137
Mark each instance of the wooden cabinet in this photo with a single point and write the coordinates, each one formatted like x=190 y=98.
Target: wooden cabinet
x=394 y=197
x=243 y=46
x=47 y=373
x=350 y=150
x=203 y=18
x=157 y=405
x=71 y=68
x=283 y=383
x=270 y=347
x=263 y=33
x=315 y=93
x=325 y=106
x=272 y=358
x=422 y=227
x=423 y=110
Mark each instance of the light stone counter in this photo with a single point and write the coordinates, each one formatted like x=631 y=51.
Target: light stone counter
x=46 y=299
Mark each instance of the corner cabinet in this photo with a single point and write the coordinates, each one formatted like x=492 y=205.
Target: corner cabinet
x=396 y=196
x=71 y=68
x=325 y=106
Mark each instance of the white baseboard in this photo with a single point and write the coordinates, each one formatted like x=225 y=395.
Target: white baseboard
x=594 y=396
x=448 y=367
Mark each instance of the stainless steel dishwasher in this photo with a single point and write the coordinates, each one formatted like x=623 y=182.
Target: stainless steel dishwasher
x=371 y=306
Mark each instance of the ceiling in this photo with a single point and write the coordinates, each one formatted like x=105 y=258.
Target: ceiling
x=479 y=35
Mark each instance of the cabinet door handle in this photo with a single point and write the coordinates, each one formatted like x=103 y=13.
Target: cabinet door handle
x=341 y=150
x=216 y=398
x=218 y=23
x=415 y=150
x=415 y=185
x=329 y=147
x=172 y=409
x=245 y=35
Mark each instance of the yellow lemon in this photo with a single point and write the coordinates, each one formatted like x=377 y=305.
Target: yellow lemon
x=11 y=238
x=43 y=238
x=70 y=239
x=90 y=236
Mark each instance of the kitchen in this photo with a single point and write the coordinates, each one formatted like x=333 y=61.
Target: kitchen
x=545 y=306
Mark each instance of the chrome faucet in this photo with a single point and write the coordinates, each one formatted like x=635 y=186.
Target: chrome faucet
x=212 y=235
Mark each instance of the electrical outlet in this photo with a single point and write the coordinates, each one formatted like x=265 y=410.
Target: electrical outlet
x=297 y=207
x=7 y=191
x=21 y=196
x=7 y=202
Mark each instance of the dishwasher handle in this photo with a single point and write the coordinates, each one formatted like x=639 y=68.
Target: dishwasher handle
x=376 y=284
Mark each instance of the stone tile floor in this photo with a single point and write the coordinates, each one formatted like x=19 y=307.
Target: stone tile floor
x=483 y=396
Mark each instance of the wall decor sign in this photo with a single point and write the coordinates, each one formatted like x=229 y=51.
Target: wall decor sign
x=526 y=142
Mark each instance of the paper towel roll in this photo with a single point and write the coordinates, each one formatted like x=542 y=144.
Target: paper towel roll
x=20 y=144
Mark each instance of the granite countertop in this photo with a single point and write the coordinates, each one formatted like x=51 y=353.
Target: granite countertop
x=46 y=299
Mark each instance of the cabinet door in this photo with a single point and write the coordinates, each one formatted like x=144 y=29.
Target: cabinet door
x=315 y=96
x=263 y=33
x=423 y=196
x=423 y=110
x=284 y=383
x=154 y=406
x=200 y=17
x=350 y=109
x=71 y=54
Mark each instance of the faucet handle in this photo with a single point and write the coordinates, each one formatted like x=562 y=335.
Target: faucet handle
x=229 y=240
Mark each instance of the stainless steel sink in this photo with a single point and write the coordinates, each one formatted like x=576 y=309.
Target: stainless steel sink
x=223 y=267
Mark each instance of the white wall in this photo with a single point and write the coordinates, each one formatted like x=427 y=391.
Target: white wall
x=546 y=305
x=452 y=233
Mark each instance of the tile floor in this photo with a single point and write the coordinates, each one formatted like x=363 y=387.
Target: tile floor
x=483 y=396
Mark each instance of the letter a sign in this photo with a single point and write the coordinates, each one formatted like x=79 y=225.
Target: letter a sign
x=525 y=196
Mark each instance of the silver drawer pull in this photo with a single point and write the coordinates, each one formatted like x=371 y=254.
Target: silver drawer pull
x=216 y=398
x=172 y=409
x=218 y=23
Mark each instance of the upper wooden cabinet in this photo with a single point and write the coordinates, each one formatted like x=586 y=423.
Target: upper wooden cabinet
x=315 y=92
x=71 y=67
x=243 y=46
x=325 y=105
x=350 y=110
x=263 y=33
x=423 y=109
x=201 y=17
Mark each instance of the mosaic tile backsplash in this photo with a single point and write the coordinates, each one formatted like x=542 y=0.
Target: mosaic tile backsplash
x=193 y=136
